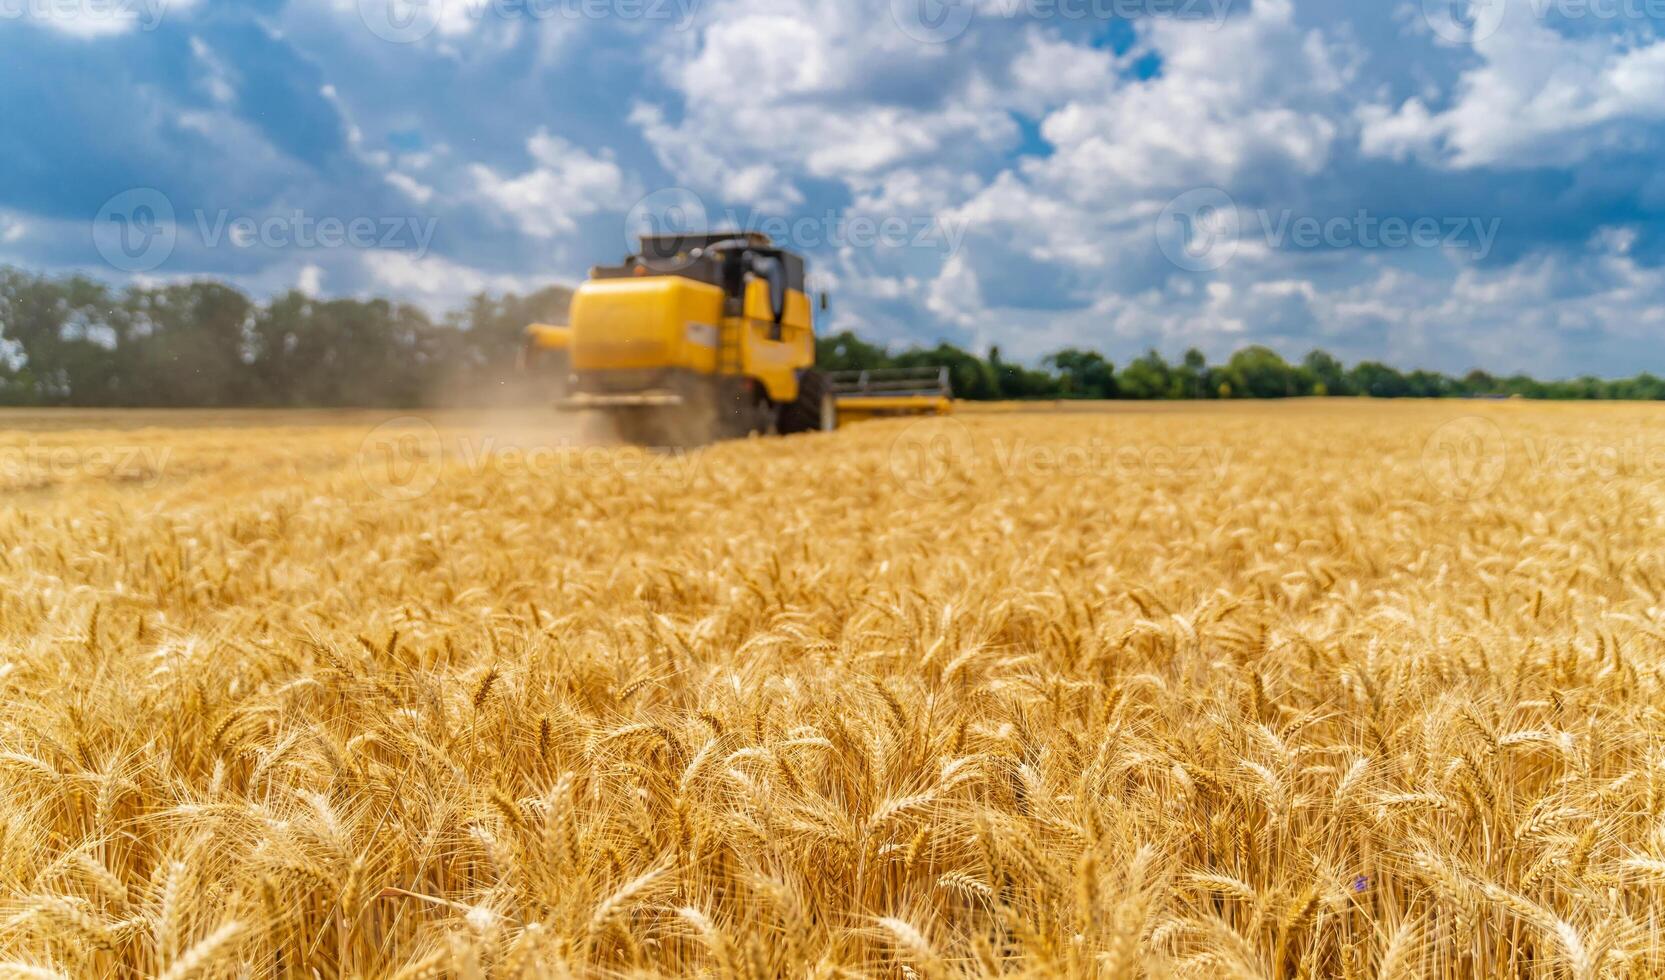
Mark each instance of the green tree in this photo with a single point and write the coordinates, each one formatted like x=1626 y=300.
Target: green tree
x=1477 y=383
x=1146 y=377
x=1258 y=372
x=1084 y=374
x=971 y=376
x=1377 y=380
x=1429 y=384
x=198 y=336
x=1194 y=378
x=1325 y=370
x=847 y=352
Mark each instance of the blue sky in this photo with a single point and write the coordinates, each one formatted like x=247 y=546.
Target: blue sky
x=1392 y=179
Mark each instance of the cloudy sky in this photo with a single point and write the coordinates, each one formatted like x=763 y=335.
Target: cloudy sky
x=1436 y=183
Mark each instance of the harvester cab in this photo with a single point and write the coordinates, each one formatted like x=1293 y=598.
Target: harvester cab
x=701 y=336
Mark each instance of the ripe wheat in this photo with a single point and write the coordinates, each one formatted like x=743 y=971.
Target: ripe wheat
x=1190 y=692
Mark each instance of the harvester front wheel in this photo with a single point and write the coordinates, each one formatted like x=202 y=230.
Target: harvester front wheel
x=651 y=427
x=745 y=409
x=814 y=410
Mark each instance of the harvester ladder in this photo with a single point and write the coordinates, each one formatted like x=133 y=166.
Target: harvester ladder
x=730 y=357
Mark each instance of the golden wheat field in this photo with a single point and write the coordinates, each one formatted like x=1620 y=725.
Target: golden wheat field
x=1316 y=689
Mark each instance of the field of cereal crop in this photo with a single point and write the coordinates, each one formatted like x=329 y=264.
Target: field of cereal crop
x=1305 y=689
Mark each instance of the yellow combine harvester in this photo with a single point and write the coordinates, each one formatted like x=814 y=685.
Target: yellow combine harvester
x=711 y=335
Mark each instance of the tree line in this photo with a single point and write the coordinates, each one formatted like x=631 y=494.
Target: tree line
x=1253 y=372
x=206 y=344
x=75 y=341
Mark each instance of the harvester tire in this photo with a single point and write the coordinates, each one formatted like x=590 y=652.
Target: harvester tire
x=814 y=410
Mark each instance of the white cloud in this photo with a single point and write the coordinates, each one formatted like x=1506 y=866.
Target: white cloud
x=784 y=54
x=779 y=90
x=1410 y=131
x=215 y=79
x=912 y=192
x=1538 y=98
x=311 y=280
x=1213 y=112
x=1052 y=71
x=708 y=167
x=1030 y=218
x=567 y=183
x=411 y=187
x=434 y=281
x=955 y=295
x=1224 y=111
